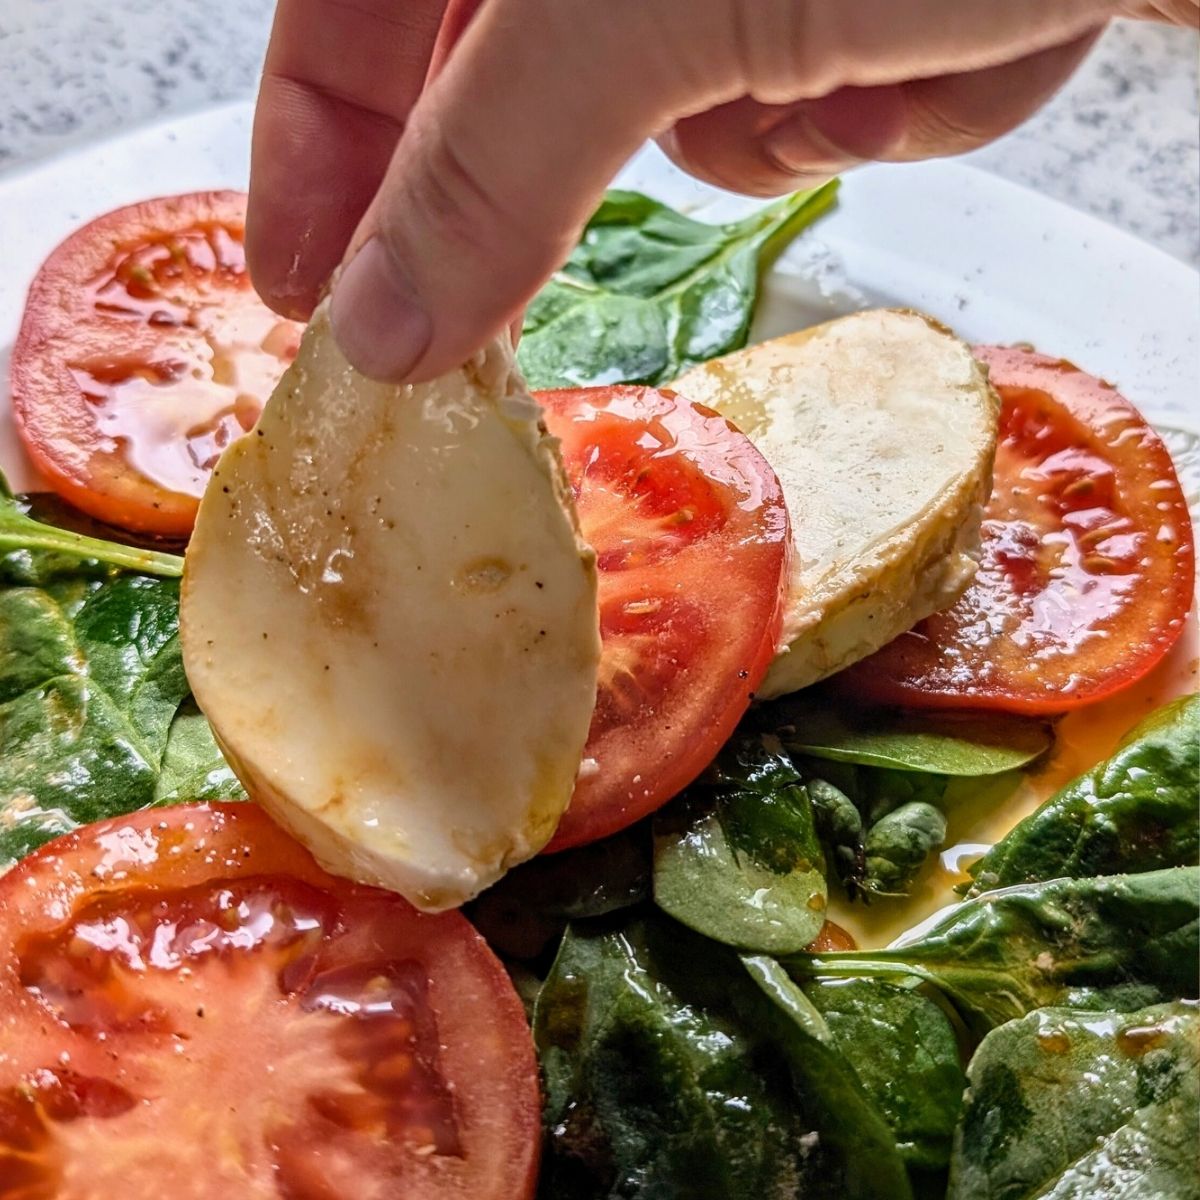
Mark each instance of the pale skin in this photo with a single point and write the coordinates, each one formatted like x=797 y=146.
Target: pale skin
x=449 y=157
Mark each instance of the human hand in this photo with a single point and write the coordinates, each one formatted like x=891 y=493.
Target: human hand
x=452 y=202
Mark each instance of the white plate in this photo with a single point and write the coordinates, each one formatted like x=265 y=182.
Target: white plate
x=993 y=260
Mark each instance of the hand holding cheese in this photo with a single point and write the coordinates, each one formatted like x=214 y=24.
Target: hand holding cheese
x=391 y=622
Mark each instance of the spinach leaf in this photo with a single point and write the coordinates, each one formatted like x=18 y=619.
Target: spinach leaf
x=671 y=1076
x=531 y=905
x=22 y=533
x=91 y=681
x=904 y=1051
x=193 y=767
x=839 y=825
x=877 y=790
x=527 y=984
x=878 y=825
x=649 y=292
x=963 y=744
x=1119 y=941
x=897 y=844
x=1135 y=812
x=1071 y=1105
x=737 y=856
x=847 y=1115
x=90 y=678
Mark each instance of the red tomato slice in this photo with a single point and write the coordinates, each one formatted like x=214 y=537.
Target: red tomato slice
x=1087 y=569
x=692 y=542
x=190 y=1007
x=142 y=354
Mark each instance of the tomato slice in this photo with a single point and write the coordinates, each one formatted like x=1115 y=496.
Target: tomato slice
x=142 y=353
x=1087 y=570
x=191 y=1007
x=692 y=544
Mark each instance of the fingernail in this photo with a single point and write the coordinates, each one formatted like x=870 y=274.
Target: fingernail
x=377 y=319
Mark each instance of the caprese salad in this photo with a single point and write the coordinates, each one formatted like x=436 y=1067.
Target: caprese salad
x=463 y=791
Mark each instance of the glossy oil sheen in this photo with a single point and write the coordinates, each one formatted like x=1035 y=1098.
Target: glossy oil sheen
x=691 y=537
x=1087 y=566
x=204 y=353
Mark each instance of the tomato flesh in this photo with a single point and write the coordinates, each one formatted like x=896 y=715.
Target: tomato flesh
x=143 y=352
x=1087 y=567
x=692 y=543
x=189 y=1006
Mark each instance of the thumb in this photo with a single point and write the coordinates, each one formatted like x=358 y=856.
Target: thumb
x=503 y=160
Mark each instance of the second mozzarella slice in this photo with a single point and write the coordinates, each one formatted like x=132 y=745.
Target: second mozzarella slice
x=882 y=430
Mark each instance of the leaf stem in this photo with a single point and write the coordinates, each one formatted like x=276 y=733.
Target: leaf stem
x=19 y=532
x=851 y=964
x=805 y=208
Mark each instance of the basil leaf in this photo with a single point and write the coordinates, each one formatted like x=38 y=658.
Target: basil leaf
x=737 y=856
x=669 y=1074
x=193 y=767
x=937 y=743
x=1114 y=942
x=904 y=1052
x=1134 y=812
x=1071 y=1105
x=649 y=292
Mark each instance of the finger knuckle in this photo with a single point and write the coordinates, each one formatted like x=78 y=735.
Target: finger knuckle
x=785 y=48
x=452 y=195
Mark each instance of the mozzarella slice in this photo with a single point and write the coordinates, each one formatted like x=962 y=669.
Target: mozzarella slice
x=390 y=620
x=882 y=430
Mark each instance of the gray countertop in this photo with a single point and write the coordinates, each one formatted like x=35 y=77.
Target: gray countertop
x=1121 y=141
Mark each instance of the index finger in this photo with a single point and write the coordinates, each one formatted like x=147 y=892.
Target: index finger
x=338 y=83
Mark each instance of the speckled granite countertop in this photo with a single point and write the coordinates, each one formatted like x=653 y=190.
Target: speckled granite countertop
x=1121 y=140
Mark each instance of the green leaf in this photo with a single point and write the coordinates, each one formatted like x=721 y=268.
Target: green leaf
x=737 y=856
x=193 y=767
x=1135 y=812
x=878 y=825
x=1069 y=1105
x=531 y=905
x=88 y=689
x=670 y=1076
x=878 y=791
x=846 y=1115
x=897 y=844
x=20 y=532
x=903 y=1049
x=839 y=825
x=1119 y=941
x=649 y=292
x=938 y=743
x=91 y=683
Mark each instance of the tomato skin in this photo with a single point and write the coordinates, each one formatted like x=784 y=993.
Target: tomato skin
x=1088 y=564
x=143 y=350
x=831 y=938
x=693 y=548
x=286 y=1034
